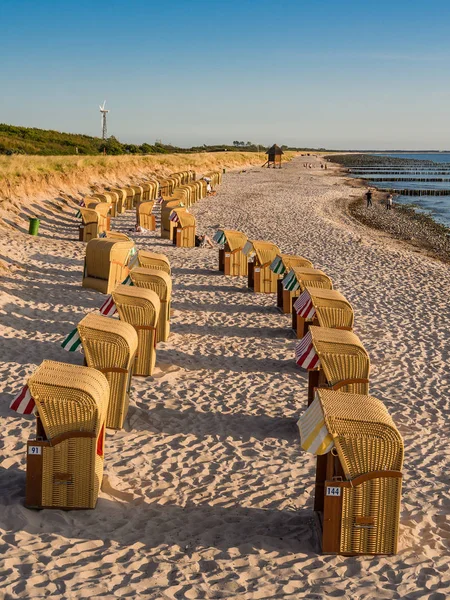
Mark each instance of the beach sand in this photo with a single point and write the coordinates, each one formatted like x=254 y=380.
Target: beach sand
x=207 y=493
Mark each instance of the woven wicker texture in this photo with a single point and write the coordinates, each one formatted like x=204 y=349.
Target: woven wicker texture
x=110 y=346
x=265 y=251
x=144 y=215
x=342 y=357
x=152 y=260
x=185 y=218
x=235 y=239
x=90 y=220
x=332 y=308
x=161 y=283
x=315 y=278
x=121 y=201
x=106 y=263
x=293 y=260
x=140 y=307
x=366 y=440
x=116 y=235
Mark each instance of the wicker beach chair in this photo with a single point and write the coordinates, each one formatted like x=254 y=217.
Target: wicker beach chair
x=295 y=282
x=358 y=476
x=89 y=228
x=140 y=307
x=161 y=283
x=261 y=255
x=138 y=194
x=117 y=235
x=110 y=198
x=144 y=216
x=232 y=260
x=106 y=264
x=121 y=199
x=184 y=234
x=281 y=266
x=65 y=459
x=110 y=346
x=104 y=223
x=323 y=308
x=334 y=358
x=152 y=260
x=168 y=226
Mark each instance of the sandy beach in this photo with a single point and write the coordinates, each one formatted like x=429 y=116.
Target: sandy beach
x=207 y=493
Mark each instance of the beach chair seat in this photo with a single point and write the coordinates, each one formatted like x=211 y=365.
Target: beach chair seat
x=152 y=260
x=232 y=260
x=295 y=282
x=110 y=346
x=281 y=265
x=161 y=283
x=140 y=308
x=334 y=358
x=89 y=228
x=65 y=458
x=106 y=263
x=260 y=256
x=358 y=472
x=144 y=216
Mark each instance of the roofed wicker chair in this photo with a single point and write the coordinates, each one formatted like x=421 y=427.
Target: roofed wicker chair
x=334 y=358
x=110 y=346
x=89 y=228
x=106 y=264
x=167 y=226
x=65 y=460
x=359 y=472
x=121 y=199
x=232 y=260
x=161 y=283
x=138 y=194
x=261 y=255
x=152 y=260
x=110 y=198
x=129 y=203
x=295 y=282
x=104 y=210
x=140 y=307
x=184 y=234
x=281 y=265
x=325 y=308
x=144 y=216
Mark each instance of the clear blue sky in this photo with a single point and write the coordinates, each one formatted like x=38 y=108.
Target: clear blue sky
x=339 y=74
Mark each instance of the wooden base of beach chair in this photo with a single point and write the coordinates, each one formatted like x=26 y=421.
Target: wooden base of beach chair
x=222 y=260
x=285 y=299
x=185 y=237
x=251 y=275
x=299 y=325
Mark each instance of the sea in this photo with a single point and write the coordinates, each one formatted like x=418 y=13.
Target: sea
x=431 y=173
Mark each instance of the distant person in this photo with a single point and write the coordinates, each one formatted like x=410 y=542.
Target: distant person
x=389 y=202
x=369 y=197
x=202 y=241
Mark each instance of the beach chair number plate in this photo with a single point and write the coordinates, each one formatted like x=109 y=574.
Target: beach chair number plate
x=227 y=254
x=35 y=450
x=257 y=270
x=333 y=491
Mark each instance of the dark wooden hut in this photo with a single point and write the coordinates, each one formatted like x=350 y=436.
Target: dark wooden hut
x=274 y=156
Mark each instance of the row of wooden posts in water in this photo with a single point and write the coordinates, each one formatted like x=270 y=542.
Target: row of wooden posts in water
x=74 y=405
x=359 y=450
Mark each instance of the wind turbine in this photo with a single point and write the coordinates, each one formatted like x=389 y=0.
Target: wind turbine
x=104 y=112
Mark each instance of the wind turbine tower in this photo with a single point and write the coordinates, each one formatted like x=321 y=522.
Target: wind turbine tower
x=104 y=112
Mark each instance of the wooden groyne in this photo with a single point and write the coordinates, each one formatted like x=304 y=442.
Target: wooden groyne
x=404 y=172
x=416 y=192
x=410 y=179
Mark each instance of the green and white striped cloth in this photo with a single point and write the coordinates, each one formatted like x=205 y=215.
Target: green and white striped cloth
x=290 y=282
x=78 y=215
x=72 y=341
x=277 y=266
x=219 y=237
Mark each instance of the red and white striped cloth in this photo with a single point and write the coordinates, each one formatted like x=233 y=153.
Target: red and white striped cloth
x=174 y=217
x=305 y=354
x=23 y=403
x=304 y=307
x=108 y=308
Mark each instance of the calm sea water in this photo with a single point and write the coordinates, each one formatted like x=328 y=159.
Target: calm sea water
x=436 y=206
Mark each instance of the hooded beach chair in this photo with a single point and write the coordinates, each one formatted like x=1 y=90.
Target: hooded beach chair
x=152 y=260
x=161 y=283
x=103 y=209
x=89 y=228
x=121 y=199
x=261 y=255
x=281 y=266
x=65 y=459
x=110 y=198
x=150 y=188
x=359 y=472
x=232 y=260
x=106 y=263
x=129 y=203
x=334 y=358
x=184 y=232
x=296 y=281
x=140 y=307
x=138 y=194
x=110 y=346
x=168 y=226
x=144 y=216
x=323 y=308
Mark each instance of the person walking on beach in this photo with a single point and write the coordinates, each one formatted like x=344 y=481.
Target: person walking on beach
x=389 y=201
x=369 y=197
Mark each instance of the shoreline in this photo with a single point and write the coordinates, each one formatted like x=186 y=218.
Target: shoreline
x=404 y=223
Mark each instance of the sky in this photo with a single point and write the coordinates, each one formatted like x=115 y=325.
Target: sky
x=356 y=74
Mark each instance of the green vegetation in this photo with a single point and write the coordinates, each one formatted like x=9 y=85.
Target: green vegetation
x=30 y=140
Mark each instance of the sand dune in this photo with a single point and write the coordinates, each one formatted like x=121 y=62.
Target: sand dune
x=207 y=493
